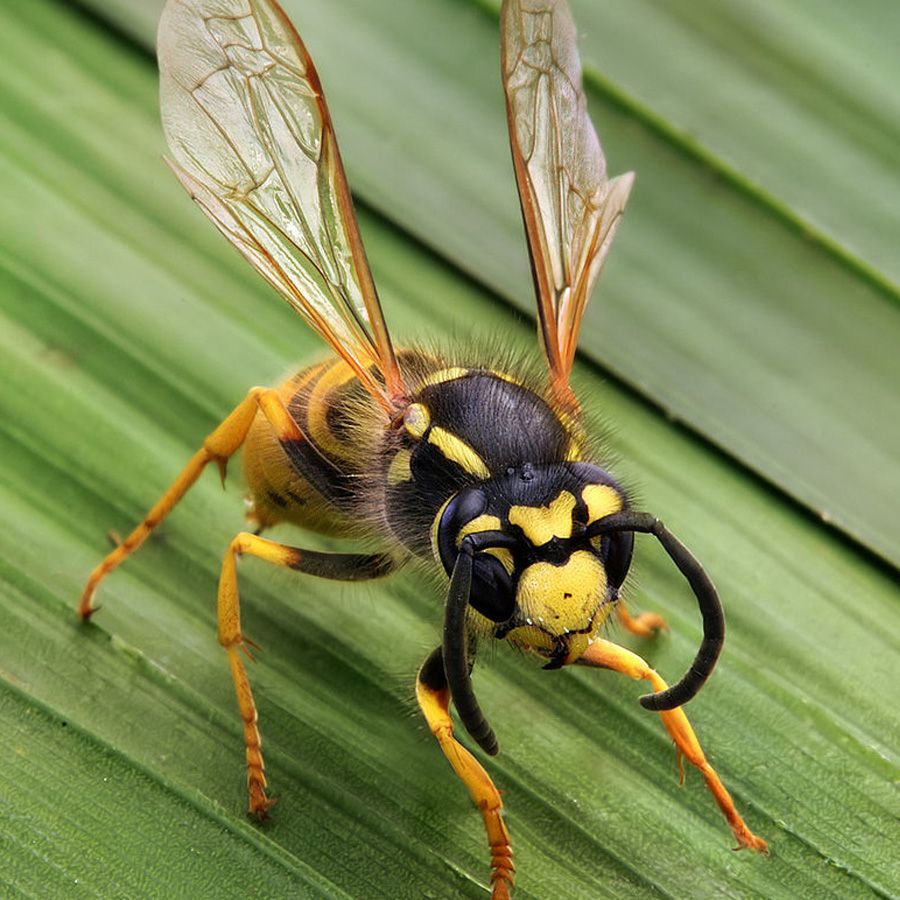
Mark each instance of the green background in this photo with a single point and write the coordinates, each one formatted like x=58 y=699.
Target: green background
x=742 y=350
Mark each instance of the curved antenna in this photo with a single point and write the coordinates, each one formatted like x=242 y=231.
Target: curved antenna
x=457 y=667
x=707 y=598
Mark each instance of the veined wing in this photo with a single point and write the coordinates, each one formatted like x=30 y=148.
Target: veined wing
x=571 y=209
x=253 y=144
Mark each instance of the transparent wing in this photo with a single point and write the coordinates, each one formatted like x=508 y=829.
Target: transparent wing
x=253 y=144
x=571 y=209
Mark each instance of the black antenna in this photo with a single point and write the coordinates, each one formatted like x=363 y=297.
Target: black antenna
x=457 y=667
x=707 y=598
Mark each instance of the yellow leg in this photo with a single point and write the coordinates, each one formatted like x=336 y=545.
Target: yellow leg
x=338 y=566
x=606 y=655
x=646 y=624
x=218 y=447
x=434 y=700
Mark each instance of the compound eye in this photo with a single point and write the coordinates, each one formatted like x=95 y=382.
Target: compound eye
x=462 y=509
x=617 y=561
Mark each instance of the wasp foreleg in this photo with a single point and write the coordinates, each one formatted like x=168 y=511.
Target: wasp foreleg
x=218 y=447
x=434 y=701
x=607 y=655
x=336 y=566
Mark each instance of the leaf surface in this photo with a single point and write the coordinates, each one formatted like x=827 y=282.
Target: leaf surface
x=127 y=330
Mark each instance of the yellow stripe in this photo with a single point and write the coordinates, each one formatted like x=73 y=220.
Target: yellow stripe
x=576 y=449
x=504 y=377
x=577 y=438
x=317 y=411
x=301 y=379
x=505 y=557
x=485 y=522
x=479 y=523
x=457 y=450
x=444 y=375
x=540 y=524
x=434 y=528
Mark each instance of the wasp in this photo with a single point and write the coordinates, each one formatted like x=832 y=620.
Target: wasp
x=486 y=472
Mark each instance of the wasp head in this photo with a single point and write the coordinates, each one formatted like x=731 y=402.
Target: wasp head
x=541 y=581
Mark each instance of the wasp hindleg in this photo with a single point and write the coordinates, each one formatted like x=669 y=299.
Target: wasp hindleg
x=607 y=655
x=219 y=446
x=433 y=695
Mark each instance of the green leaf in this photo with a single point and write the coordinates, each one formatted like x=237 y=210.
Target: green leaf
x=753 y=293
x=127 y=330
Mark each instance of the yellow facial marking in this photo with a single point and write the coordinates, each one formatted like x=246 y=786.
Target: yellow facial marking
x=487 y=523
x=435 y=525
x=445 y=375
x=601 y=500
x=562 y=598
x=416 y=419
x=530 y=637
x=505 y=557
x=561 y=602
x=479 y=523
x=534 y=639
x=541 y=524
x=398 y=470
x=458 y=451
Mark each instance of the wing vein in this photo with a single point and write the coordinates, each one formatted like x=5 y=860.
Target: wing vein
x=253 y=143
x=569 y=206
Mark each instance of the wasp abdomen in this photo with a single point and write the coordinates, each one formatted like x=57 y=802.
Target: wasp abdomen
x=317 y=483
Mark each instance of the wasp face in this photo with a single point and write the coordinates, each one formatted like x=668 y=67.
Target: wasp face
x=550 y=586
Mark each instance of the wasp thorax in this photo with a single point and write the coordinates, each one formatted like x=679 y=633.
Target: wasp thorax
x=538 y=579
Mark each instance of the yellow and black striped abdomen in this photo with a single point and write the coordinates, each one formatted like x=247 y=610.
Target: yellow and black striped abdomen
x=319 y=487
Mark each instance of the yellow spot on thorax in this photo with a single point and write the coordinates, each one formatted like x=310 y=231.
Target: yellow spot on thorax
x=575 y=430
x=540 y=524
x=577 y=447
x=416 y=419
x=457 y=450
x=602 y=500
x=504 y=377
x=399 y=470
